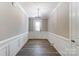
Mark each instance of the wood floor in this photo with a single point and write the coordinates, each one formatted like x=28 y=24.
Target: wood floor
x=38 y=47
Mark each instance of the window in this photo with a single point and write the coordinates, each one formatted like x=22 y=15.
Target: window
x=37 y=25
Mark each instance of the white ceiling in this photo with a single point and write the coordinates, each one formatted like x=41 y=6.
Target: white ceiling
x=45 y=8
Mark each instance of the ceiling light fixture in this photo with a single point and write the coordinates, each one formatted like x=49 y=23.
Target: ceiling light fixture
x=38 y=12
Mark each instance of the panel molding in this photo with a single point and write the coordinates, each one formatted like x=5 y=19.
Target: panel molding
x=62 y=44
x=11 y=46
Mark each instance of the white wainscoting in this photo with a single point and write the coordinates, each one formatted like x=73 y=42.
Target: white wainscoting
x=75 y=37
x=63 y=45
x=11 y=46
x=3 y=50
x=38 y=35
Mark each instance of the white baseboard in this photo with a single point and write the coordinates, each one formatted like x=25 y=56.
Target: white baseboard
x=62 y=44
x=14 y=37
x=11 y=46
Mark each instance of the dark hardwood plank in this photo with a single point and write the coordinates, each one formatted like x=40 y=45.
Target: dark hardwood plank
x=38 y=47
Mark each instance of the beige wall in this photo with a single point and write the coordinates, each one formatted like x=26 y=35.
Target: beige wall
x=75 y=18
x=74 y=12
x=12 y=21
x=59 y=20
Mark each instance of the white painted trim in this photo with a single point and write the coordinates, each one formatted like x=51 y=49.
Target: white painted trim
x=18 y=40
x=61 y=52
x=9 y=39
x=21 y=46
x=58 y=42
x=59 y=4
x=19 y=6
x=70 y=22
x=58 y=36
